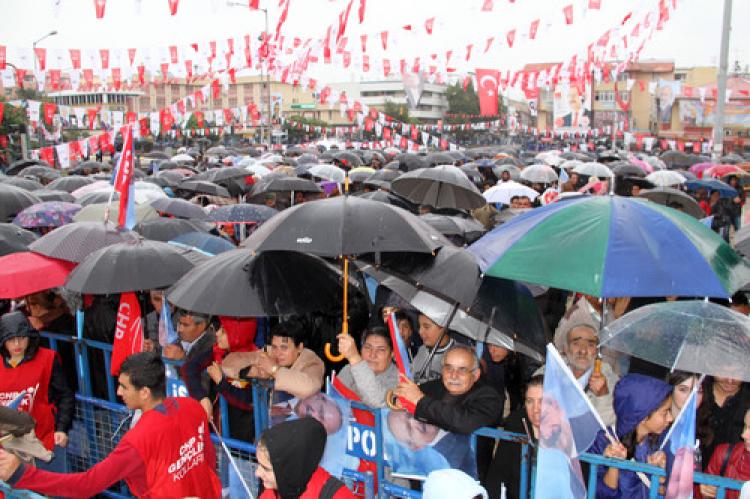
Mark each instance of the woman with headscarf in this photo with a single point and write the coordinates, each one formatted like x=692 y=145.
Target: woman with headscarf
x=234 y=335
x=289 y=455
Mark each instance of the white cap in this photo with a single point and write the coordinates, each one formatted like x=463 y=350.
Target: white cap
x=451 y=484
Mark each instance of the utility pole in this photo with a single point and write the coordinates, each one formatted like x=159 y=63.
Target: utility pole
x=721 y=83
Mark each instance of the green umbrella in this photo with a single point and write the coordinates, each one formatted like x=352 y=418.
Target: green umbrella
x=612 y=246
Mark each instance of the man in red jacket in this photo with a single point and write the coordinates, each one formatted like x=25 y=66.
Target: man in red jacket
x=168 y=453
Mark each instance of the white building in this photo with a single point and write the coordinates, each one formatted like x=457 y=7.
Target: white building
x=432 y=106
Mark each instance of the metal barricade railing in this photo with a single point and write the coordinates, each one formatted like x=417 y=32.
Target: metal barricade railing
x=97 y=422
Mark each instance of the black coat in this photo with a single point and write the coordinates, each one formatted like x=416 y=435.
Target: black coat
x=464 y=414
x=505 y=467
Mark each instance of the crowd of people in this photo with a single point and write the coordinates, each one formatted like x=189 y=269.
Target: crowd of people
x=458 y=385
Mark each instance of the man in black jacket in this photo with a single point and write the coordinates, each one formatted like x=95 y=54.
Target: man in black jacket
x=458 y=402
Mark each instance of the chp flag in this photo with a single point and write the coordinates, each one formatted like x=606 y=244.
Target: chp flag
x=487 y=85
x=124 y=179
x=128 y=331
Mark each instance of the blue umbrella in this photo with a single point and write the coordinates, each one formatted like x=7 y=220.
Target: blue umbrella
x=712 y=184
x=204 y=242
x=242 y=213
x=612 y=246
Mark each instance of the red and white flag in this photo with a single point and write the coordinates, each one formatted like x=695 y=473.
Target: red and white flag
x=487 y=83
x=128 y=331
x=124 y=180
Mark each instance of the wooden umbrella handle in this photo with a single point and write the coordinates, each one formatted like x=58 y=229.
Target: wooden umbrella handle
x=345 y=321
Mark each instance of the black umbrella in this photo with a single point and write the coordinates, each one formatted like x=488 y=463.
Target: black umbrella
x=70 y=183
x=732 y=159
x=439 y=158
x=385 y=175
x=41 y=172
x=469 y=229
x=625 y=169
x=19 y=165
x=347 y=160
x=14 y=239
x=90 y=165
x=97 y=198
x=172 y=177
x=161 y=182
x=409 y=162
x=345 y=226
x=74 y=242
x=341 y=227
x=157 y=155
x=179 y=208
x=22 y=183
x=510 y=160
x=239 y=283
x=439 y=187
x=390 y=198
x=54 y=195
x=242 y=213
x=675 y=159
x=166 y=229
x=13 y=200
x=131 y=266
x=674 y=198
x=471 y=171
x=203 y=187
x=285 y=184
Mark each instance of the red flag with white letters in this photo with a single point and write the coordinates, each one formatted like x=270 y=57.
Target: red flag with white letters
x=487 y=82
x=128 y=331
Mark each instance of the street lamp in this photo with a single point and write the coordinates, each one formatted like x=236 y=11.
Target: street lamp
x=33 y=45
x=267 y=76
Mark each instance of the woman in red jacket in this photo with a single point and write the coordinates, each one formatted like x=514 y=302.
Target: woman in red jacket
x=288 y=455
x=731 y=461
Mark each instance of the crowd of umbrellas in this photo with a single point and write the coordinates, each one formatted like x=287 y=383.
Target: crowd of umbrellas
x=241 y=234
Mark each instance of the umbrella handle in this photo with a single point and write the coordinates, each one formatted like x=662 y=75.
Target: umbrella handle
x=331 y=357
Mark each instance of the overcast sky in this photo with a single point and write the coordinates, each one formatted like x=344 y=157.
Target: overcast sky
x=691 y=37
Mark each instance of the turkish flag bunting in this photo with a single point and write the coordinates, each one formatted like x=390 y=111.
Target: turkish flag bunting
x=199 y=118
x=41 y=55
x=173 y=4
x=128 y=331
x=47 y=154
x=75 y=58
x=487 y=82
x=386 y=67
x=533 y=29
x=2 y=110
x=104 y=54
x=2 y=57
x=91 y=114
x=510 y=37
x=568 y=12
x=362 y=4
x=131 y=56
x=428 y=24
x=116 y=78
x=487 y=6
x=254 y=4
x=384 y=39
x=595 y=4
x=215 y=89
x=99 y=6
x=131 y=117
x=49 y=111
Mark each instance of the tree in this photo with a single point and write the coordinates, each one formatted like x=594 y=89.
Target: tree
x=399 y=112
x=296 y=133
x=461 y=103
x=12 y=125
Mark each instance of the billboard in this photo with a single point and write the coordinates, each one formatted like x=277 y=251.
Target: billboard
x=571 y=107
x=703 y=114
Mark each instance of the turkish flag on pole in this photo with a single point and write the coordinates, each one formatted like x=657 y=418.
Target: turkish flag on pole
x=124 y=180
x=487 y=82
x=128 y=331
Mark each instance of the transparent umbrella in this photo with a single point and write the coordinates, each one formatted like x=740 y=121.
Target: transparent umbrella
x=694 y=336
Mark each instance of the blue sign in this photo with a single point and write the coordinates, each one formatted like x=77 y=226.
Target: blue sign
x=361 y=442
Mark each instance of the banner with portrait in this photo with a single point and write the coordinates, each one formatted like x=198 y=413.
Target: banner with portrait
x=703 y=114
x=666 y=93
x=571 y=108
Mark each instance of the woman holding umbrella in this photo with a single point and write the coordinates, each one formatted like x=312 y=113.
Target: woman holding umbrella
x=35 y=373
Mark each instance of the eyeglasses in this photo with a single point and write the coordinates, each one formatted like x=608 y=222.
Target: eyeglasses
x=461 y=371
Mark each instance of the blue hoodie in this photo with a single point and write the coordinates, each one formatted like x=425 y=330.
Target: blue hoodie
x=635 y=397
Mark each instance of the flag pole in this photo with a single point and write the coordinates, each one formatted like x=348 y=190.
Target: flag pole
x=682 y=411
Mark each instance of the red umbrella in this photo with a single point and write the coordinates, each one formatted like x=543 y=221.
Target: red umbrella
x=719 y=171
x=25 y=273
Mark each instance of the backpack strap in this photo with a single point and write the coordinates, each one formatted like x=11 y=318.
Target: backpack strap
x=330 y=488
x=727 y=455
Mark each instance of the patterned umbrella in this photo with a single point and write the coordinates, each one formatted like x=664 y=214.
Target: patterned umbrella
x=242 y=213
x=47 y=214
x=75 y=241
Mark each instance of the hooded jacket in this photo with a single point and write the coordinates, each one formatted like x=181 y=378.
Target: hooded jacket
x=636 y=396
x=295 y=449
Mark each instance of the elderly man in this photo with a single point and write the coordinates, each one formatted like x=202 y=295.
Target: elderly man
x=578 y=336
x=458 y=402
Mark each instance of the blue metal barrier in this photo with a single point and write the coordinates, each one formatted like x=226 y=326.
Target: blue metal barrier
x=100 y=417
